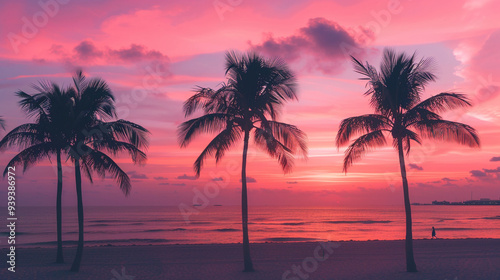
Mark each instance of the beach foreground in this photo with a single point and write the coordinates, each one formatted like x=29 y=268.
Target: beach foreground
x=436 y=259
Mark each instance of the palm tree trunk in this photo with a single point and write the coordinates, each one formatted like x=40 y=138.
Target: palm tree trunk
x=59 y=258
x=244 y=207
x=410 y=260
x=79 y=250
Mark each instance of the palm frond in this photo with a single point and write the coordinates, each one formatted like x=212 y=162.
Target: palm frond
x=32 y=104
x=96 y=99
x=274 y=148
x=79 y=81
x=360 y=124
x=290 y=135
x=443 y=102
x=209 y=123
x=366 y=70
x=30 y=156
x=449 y=131
x=124 y=131
x=417 y=114
x=87 y=170
x=23 y=136
x=101 y=164
x=114 y=147
x=218 y=146
x=361 y=145
x=199 y=100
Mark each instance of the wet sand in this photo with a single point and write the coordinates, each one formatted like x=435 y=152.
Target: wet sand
x=436 y=259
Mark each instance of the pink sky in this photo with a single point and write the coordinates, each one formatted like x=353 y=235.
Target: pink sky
x=183 y=43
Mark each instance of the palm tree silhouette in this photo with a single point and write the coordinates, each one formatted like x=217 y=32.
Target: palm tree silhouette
x=2 y=123
x=44 y=137
x=77 y=122
x=251 y=99
x=91 y=136
x=395 y=95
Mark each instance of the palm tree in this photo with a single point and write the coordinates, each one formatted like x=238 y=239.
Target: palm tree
x=2 y=123
x=250 y=100
x=45 y=135
x=86 y=134
x=395 y=95
x=91 y=136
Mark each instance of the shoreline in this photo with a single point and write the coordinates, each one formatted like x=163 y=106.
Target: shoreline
x=291 y=241
x=382 y=259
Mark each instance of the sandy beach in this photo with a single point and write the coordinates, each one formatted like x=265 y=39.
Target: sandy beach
x=436 y=259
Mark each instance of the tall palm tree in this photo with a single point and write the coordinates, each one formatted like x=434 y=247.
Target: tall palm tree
x=249 y=101
x=87 y=136
x=2 y=123
x=46 y=135
x=395 y=93
x=92 y=136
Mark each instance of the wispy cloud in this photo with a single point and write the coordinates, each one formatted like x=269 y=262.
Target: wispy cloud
x=415 y=166
x=250 y=180
x=135 y=175
x=478 y=173
x=87 y=51
x=186 y=177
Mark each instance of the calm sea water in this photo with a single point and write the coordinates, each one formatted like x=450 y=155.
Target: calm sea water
x=165 y=225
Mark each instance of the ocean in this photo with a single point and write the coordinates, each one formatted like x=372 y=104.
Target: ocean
x=36 y=226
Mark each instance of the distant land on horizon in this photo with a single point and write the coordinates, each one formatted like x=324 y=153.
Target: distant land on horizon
x=481 y=201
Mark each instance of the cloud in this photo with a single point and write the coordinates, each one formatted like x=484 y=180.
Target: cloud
x=496 y=170
x=135 y=175
x=488 y=175
x=448 y=180
x=495 y=159
x=423 y=185
x=250 y=180
x=136 y=53
x=292 y=182
x=160 y=178
x=482 y=68
x=179 y=184
x=164 y=184
x=186 y=177
x=323 y=43
x=87 y=51
x=478 y=173
x=218 y=179
x=414 y=166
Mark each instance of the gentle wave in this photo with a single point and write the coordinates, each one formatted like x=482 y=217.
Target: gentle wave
x=160 y=230
x=288 y=239
x=492 y=218
x=226 y=229
x=358 y=222
x=134 y=241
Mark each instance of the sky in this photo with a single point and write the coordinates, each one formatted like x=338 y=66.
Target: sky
x=153 y=54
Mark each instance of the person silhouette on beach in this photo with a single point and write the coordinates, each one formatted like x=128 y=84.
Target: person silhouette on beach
x=434 y=233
